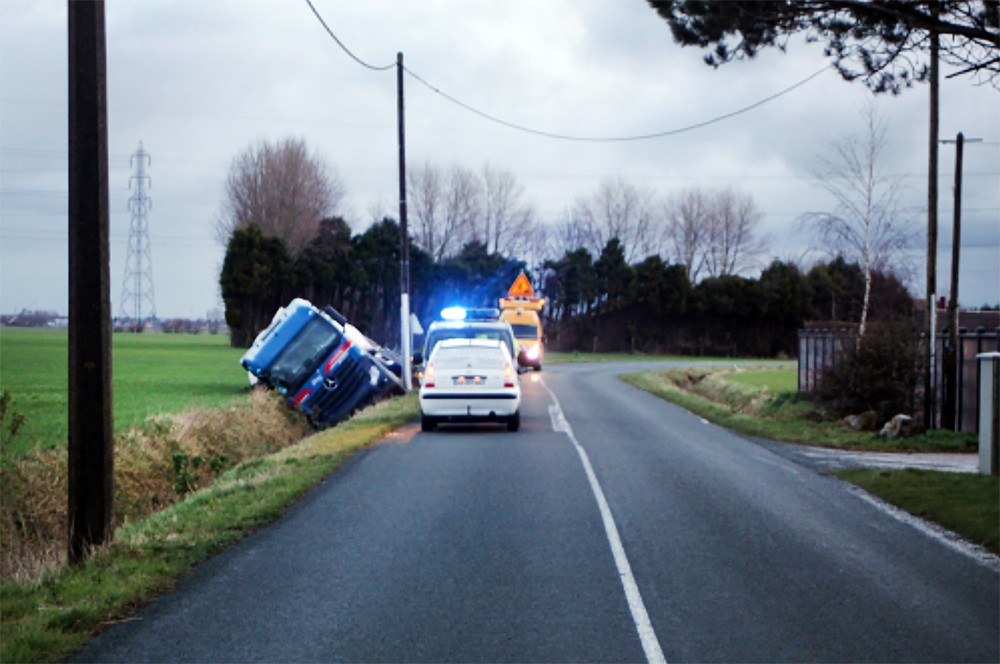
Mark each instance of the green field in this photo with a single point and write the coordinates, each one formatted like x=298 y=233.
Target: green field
x=152 y=374
x=775 y=381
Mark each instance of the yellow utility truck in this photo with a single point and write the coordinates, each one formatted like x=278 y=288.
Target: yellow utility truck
x=521 y=309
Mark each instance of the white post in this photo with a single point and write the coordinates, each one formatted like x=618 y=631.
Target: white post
x=404 y=339
x=989 y=413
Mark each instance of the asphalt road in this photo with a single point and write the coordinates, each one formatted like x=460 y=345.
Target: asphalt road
x=612 y=527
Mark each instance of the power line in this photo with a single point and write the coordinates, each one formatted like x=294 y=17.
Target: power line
x=343 y=47
x=614 y=139
x=566 y=137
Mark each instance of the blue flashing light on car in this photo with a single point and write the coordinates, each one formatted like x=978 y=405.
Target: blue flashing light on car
x=453 y=313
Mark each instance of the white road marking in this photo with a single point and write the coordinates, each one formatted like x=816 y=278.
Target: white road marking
x=647 y=635
x=954 y=542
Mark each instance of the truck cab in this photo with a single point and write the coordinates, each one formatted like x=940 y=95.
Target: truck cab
x=522 y=314
x=322 y=365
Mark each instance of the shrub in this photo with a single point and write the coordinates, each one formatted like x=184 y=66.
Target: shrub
x=880 y=373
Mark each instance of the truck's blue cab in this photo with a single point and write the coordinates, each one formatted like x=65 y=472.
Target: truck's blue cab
x=319 y=363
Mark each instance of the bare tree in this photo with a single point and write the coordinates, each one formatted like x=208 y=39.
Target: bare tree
x=539 y=246
x=445 y=205
x=619 y=209
x=712 y=232
x=282 y=189
x=506 y=220
x=733 y=244
x=868 y=224
x=461 y=210
x=686 y=227
x=424 y=191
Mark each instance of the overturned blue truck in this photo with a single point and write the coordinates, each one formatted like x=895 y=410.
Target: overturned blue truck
x=322 y=364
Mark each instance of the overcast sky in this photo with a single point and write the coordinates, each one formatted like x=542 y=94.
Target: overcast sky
x=197 y=81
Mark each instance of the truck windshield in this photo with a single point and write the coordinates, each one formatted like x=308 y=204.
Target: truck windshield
x=525 y=331
x=303 y=355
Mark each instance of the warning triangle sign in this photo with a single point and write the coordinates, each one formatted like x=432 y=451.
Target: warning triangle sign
x=521 y=287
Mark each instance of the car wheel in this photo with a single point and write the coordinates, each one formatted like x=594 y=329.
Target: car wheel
x=427 y=423
x=514 y=423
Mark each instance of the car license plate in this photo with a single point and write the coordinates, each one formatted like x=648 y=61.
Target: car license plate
x=469 y=380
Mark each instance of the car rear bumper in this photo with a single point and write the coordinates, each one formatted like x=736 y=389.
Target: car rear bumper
x=483 y=406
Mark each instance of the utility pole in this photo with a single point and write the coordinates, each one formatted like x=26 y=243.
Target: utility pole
x=90 y=446
x=951 y=408
x=930 y=348
x=404 y=233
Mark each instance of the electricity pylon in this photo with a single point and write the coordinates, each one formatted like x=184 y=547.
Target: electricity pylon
x=137 y=288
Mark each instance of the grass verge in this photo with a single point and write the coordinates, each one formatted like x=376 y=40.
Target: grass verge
x=963 y=503
x=53 y=617
x=752 y=410
x=563 y=358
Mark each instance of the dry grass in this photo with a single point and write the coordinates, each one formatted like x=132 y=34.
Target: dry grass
x=155 y=466
x=711 y=384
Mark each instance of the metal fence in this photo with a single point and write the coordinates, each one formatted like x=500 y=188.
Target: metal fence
x=820 y=349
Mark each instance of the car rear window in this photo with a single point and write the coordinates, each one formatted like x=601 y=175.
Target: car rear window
x=462 y=356
x=468 y=332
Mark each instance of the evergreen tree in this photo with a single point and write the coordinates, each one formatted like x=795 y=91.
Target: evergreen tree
x=256 y=278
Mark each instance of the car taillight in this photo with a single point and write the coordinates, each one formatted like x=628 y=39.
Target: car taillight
x=508 y=376
x=429 y=376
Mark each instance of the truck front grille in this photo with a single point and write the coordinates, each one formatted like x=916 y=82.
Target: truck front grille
x=345 y=388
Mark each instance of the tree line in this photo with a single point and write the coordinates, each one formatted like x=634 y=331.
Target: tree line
x=620 y=268
x=283 y=236
x=600 y=304
x=605 y=304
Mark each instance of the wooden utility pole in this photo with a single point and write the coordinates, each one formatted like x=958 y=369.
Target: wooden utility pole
x=91 y=451
x=930 y=348
x=952 y=407
x=949 y=407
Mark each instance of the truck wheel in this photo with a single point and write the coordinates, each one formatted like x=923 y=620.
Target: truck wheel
x=427 y=423
x=514 y=423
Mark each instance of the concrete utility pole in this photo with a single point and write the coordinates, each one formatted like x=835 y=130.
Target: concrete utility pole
x=91 y=451
x=404 y=234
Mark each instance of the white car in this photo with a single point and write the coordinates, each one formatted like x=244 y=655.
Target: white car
x=470 y=380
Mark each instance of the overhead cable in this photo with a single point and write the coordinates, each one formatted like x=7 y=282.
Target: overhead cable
x=567 y=137
x=616 y=139
x=343 y=47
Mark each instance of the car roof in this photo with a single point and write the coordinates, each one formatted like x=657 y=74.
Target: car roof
x=463 y=324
